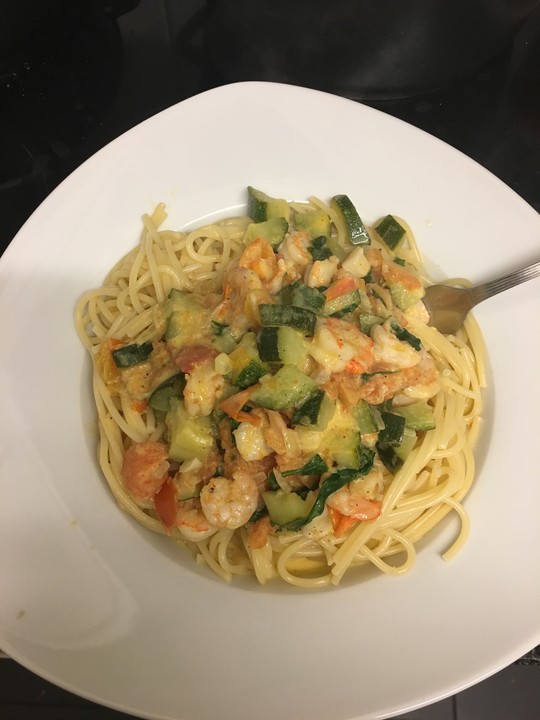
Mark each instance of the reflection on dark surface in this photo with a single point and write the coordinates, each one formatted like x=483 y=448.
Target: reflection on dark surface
x=359 y=48
x=73 y=76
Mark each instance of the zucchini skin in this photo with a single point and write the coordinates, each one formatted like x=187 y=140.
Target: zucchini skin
x=289 y=315
x=356 y=230
x=390 y=231
x=129 y=355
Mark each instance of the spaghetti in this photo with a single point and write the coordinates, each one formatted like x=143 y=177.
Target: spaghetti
x=270 y=394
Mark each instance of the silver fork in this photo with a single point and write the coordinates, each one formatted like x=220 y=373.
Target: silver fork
x=448 y=306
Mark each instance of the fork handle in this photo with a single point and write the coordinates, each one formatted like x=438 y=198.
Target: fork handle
x=493 y=287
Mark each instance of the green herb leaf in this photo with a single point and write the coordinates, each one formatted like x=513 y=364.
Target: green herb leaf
x=402 y=334
x=314 y=466
x=334 y=482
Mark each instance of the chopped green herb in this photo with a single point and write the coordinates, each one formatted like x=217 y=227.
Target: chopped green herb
x=334 y=482
x=402 y=334
x=314 y=466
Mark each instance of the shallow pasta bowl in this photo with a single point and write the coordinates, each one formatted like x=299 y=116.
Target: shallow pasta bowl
x=99 y=606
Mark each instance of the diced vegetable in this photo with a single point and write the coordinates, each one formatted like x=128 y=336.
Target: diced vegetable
x=394 y=427
x=390 y=231
x=293 y=346
x=404 y=297
x=394 y=457
x=319 y=248
x=267 y=344
x=333 y=483
x=364 y=418
x=302 y=296
x=190 y=437
x=407 y=444
x=296 y=317
x=170 y=388
x=186 y=316
x=282 y=344
x=129 y=355
x=366 y=321
x=272 y=230
x=315 y=222
x=316 y=411
x=356 y=230
x=261 y=206
x=417 y=416
x=247 y=366
x=285 y=507
x=288 y=388
x=345 y=447
x=343 y=305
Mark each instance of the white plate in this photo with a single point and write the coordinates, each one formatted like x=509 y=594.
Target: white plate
x=103 y=608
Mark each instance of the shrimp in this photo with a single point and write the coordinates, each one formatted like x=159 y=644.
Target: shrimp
x=145 y=470
x=204 y=385
x=352 y=502
x=391 y=353
x=243 y=292
x=294 y=250
x=322 y=272
x=233 y=462
x=230 y=503
x=192 y=522
x=339 y=345
x=259 y=257
x=250 y=442
x=384 y=386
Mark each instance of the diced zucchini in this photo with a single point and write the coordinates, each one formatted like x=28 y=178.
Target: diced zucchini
x=343 y=304
x=315 y=222
x=364 y=418
x=190 y=437
x=366 y=321
x=285 y=507
x=407 y=444
x=334 y=482
x=394 y=427
x=288 y=388
x=170 y=388
x=267 y=344
x=417 y=416
x=247 y=366
x=186 y=317
x=272 y=230
x=355 y=229
x=316 y=412
x=403 y=297
x=390 y=231
x=262 y=207
x=224 y=341
x=344 y=447
x=319 y=248
x=393 y=457
x=296 y=317
x=293 y=346
x=302 y=296
x=282 y=344
x=314 y=466
x=129 y=355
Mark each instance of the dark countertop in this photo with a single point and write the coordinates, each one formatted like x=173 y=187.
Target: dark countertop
x=73 y=76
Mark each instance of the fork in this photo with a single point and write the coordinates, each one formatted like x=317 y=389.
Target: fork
x=448 y=306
